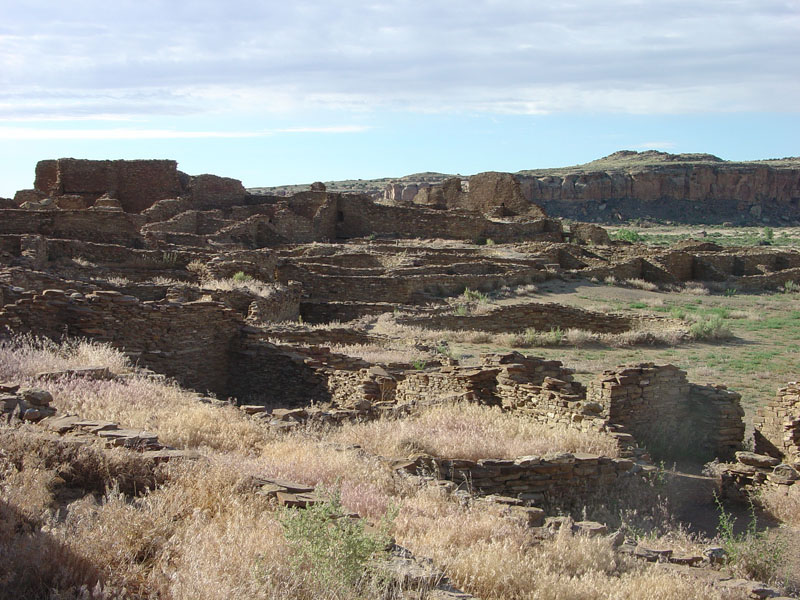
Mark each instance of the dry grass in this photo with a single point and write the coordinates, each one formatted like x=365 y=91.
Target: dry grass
x=26 y=355
x=380 y=354
x=470 y=431
x=784 y=504
x=641 y=284
x=254 y=286
x=61 y=536
x=495 y=558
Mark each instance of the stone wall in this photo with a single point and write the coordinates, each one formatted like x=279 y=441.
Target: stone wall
x=513 y=318
x=672 y=417
x=191 y=342
x=269 y=375
x=777 y=425
x=137 y=184
x=211 y=191
x=92 y=226
x=328 y=312
x=359 y=216
x=448 y=383
x=554 y=481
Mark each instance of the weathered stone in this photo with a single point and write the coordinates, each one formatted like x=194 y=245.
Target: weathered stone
x=36 y=396
x=756 y=460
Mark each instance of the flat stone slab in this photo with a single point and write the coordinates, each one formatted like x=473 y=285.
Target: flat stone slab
x=83 y=372
x=96 y=426
x=297 y=500
x=61 y=424
x=757 y=460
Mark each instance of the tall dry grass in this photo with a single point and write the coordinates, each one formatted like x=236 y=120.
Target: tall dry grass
x=26 y=355
x=470 y=431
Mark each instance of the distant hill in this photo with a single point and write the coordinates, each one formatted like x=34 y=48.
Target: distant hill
x=623 y=160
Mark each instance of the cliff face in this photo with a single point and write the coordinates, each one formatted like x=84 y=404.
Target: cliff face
x=694 y=193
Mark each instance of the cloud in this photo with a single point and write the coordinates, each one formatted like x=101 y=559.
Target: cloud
x=32 y=134
x=132 y=58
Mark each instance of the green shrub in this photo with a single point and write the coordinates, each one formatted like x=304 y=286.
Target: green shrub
x=751 y=554
x=332 y=549
x=474 y=295
x=462 y=310
x=627 y=235
x=710 y=328
x=241 y=277
x=790 y=286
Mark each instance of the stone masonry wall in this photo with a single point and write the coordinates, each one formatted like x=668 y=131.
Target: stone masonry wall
x=663 y=411
x=137 y=184
x=359 y=216
x=777 y=425
x=542 y=317
x=190 y=342
x=555 y=481
x=92 y=226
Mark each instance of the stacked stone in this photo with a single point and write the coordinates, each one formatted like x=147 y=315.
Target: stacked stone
x=29 y=404
x=190 y=341
x=777 y=425
x=717 y=412
x=545 y=390
x=752 y=472
x=659 y=407
x=519 y=317
x=448 y=383
x=561 y=480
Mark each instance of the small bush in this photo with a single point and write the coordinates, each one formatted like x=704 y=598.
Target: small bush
x=750 y=554
x=474 y=295
x=332 y=548
x=790 y=286
x=241 y=277
x=711 y=328
x=627 y=235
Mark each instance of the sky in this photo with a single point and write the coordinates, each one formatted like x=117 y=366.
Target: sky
x=297 y=91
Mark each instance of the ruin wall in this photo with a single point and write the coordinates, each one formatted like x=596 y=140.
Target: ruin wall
x=541 y=317
x=191 y=341
x=563 y=481
x=777 y=425
x=663 y=411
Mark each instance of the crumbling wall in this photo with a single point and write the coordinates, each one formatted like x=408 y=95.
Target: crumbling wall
x=137 y=184
x=92 y=226
x=190 y=341
x=212 y=191
x=542 y=317
x=777 y=425
x=554 y=481
x=672 y=417
x=545 y=391
x=359 y=216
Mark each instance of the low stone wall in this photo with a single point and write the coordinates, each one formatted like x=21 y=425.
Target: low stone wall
x=191 y=341
x=401 y=289
x=753 y=473
x=359 y=216
x=668 y=414
x=328 y=312
x=519 y=317
x=777 y=425
x=98 y=226
x=552 y=481
x=448 y=383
